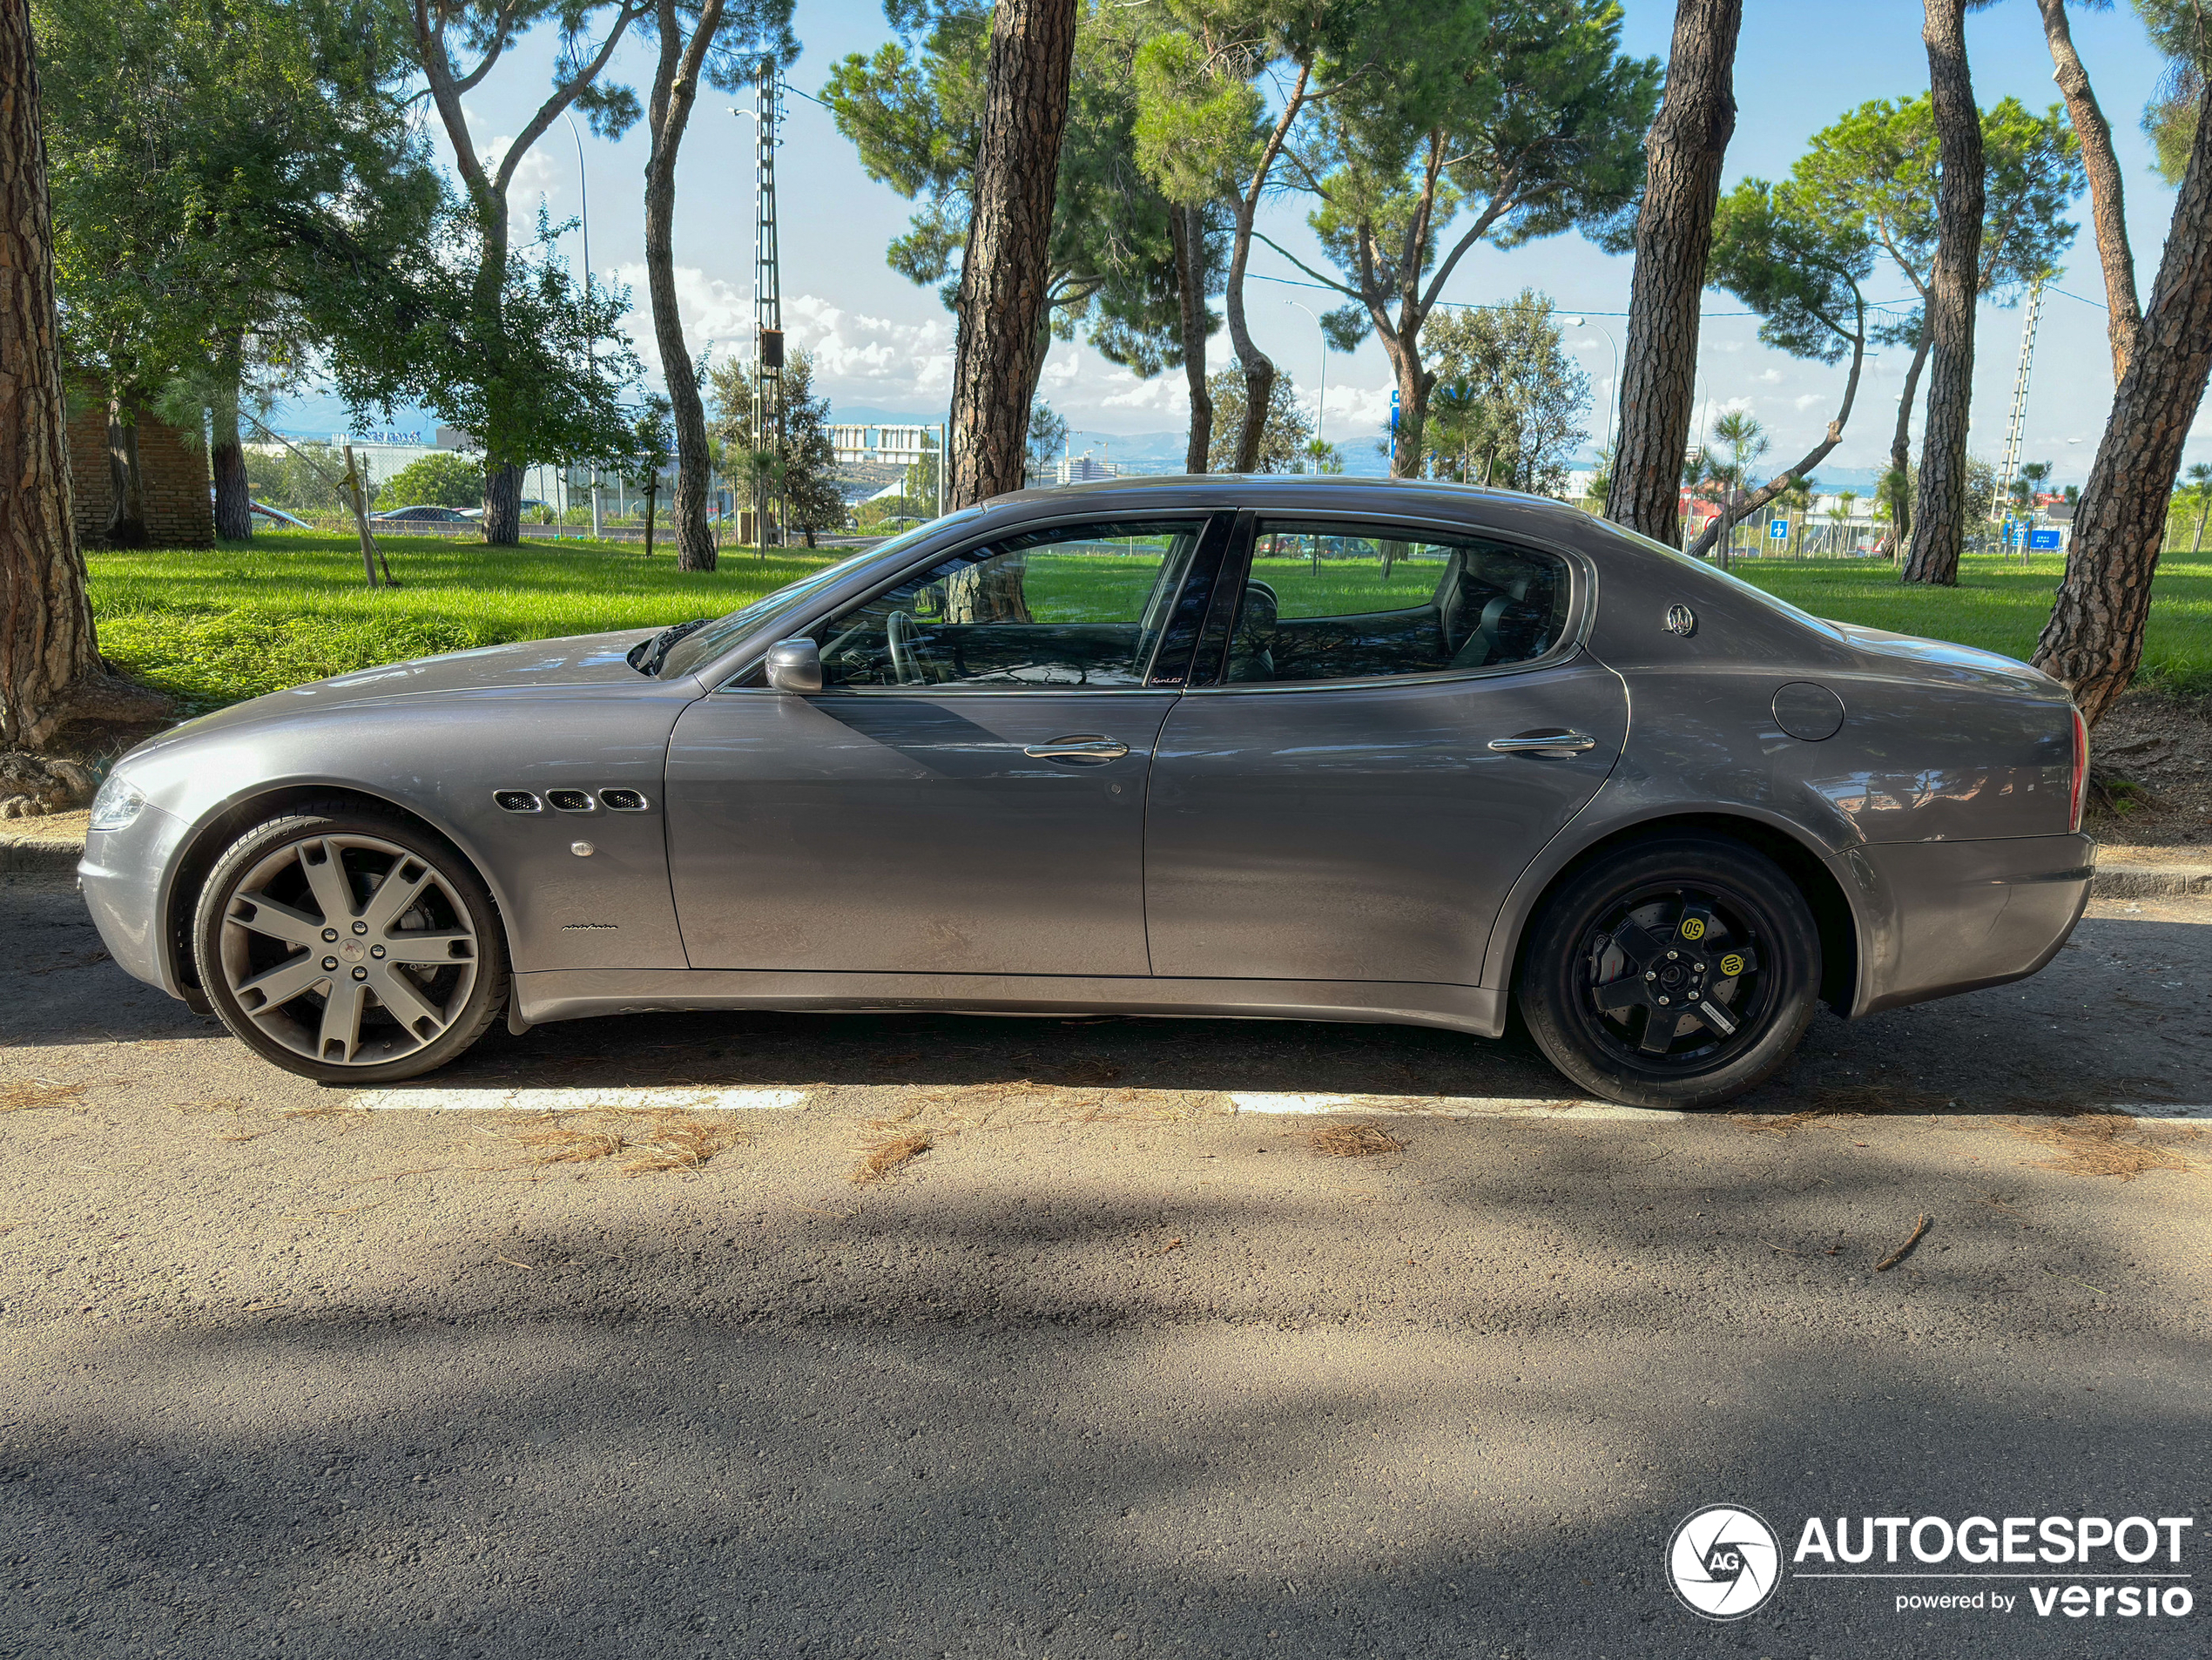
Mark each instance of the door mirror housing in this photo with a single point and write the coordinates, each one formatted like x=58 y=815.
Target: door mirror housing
x=794 y=666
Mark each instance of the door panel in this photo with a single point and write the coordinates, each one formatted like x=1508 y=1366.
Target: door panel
x=906 y=833
x=1365 y=832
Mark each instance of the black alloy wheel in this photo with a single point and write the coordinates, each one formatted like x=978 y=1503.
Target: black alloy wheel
x=1675 y=973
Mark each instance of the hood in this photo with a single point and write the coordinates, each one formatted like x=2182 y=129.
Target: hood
x=529 y=667
x=1947 y=660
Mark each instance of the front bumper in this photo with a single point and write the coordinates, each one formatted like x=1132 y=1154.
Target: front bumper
x=1940 y=917
x=125 y=874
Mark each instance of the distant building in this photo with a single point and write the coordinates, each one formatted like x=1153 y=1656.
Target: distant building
x=1085 y=470
x=900 y=447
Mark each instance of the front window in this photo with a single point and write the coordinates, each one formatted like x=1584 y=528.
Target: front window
x=1060 y=609
x=702 y=646
x=1334 y=602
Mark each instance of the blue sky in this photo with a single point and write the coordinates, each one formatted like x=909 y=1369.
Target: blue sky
x=883 y=344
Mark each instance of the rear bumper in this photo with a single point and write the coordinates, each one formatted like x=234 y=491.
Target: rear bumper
x=1940 y=917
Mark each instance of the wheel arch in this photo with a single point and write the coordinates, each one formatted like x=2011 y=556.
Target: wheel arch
x=1802 y=860
x=214 y=833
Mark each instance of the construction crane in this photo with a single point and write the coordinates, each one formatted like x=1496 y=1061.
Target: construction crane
x=2016 y=423
x=767 y=279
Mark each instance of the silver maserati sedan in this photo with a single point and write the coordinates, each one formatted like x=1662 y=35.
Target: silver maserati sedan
x=1290 y=748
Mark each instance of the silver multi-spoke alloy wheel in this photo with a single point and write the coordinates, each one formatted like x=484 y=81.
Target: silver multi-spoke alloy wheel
x=337 y=948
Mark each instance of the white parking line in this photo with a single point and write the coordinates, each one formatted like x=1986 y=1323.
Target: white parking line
x=579 y=1100
x=1451 y=1107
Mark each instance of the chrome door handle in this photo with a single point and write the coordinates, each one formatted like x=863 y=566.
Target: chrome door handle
x=1078 y=749
x=1546 y=743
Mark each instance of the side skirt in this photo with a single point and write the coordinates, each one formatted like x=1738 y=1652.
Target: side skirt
x=577 y=994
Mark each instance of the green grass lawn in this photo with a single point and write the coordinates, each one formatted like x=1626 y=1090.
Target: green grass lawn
x=214 y=627
x=2000 y=606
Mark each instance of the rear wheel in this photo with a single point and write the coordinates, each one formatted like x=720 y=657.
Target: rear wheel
x=349 y=946
x=1675 y=973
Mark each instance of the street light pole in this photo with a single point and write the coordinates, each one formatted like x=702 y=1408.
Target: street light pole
x=591 y=343
x=1321 y=398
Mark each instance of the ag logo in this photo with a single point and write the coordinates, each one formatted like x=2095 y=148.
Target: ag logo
x=1731 y=965
x=1723 y=1562
x=1693 y=928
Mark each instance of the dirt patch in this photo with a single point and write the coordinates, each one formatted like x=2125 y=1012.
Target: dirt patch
x=2109 y=1143
x=1352 y=1141
x=2162 y=746
x=886 y=1154
x=637 y=1144
x=29 y=1095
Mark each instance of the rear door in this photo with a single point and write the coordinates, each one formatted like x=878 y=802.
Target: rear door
x=1336 y=805
x=966 y=794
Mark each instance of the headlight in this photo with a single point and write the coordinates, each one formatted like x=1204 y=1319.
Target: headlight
x=116 y=805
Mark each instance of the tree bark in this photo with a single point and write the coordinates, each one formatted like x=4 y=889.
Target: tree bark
x=233 y=490
x=126 y=513
x=1006 y=268
x=2095 y=638
x=502 y=504
x=1901 y=443
x=1813 y=457
x=1187 y=233
x=1259 y=369
x=50 y=672
x=676 y=81
x=1939 y=512
x=2106 y=198
x=1686 y=144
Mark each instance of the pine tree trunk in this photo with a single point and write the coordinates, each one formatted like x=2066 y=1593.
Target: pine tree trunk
x=675 y=89
x=1686 y=144
x=233 y=490
x=2095 y=638
x=1901 y=444
x=1005 y=270
x=502 y=504
x=50 y=672
x=1940 y=511
x=2106 y=198
x=1813 y=457
x=1187 y=232
x=1415 y=384
x=126 y=513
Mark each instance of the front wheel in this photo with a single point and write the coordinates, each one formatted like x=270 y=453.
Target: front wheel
x=349 y=946
x=1676 y=972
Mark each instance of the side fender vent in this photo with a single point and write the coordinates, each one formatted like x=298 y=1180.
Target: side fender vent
x=622 y=800
x=572 y=800
x=518 y=802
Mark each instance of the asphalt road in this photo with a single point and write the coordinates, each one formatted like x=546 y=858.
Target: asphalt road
x=1114 y=1368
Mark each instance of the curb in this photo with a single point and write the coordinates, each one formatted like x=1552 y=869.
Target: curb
x=2150 y=882
x=40 y=858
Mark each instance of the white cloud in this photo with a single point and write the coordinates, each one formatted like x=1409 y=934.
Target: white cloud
x=1769 y=377
x=1810 y=401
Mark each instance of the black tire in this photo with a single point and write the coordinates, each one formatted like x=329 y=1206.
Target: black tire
x=443 y=956
x=1664 y=921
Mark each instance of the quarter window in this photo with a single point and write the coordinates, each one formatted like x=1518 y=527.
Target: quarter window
x=1053 y=609
x=1331 y=602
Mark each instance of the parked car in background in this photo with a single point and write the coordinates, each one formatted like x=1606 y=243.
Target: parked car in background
x=1301 y=748
x=281 y=516
x=424 y=515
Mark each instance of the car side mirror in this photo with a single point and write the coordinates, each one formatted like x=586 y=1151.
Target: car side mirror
x=794 y=666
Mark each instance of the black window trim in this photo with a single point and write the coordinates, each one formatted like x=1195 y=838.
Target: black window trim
x=1582 y=602
x=1215 y=535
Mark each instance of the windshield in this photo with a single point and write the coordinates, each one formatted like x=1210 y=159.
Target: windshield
x=1773 y=602
x=702 y=646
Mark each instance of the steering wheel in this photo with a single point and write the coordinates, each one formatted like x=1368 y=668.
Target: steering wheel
x=905 y=659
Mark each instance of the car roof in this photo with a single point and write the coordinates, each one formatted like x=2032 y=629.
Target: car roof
x=1324 y=492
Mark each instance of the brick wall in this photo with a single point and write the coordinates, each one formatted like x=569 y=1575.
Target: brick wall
x=179 y=513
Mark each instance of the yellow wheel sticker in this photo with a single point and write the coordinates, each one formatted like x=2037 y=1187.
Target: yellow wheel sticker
x=1731 y=965
x=1693 y=928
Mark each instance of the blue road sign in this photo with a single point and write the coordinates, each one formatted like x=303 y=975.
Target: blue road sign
x=1778 y=529
x=2043 y=541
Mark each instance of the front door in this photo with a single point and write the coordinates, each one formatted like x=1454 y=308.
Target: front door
x=1334 y=807
x=966 y=794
